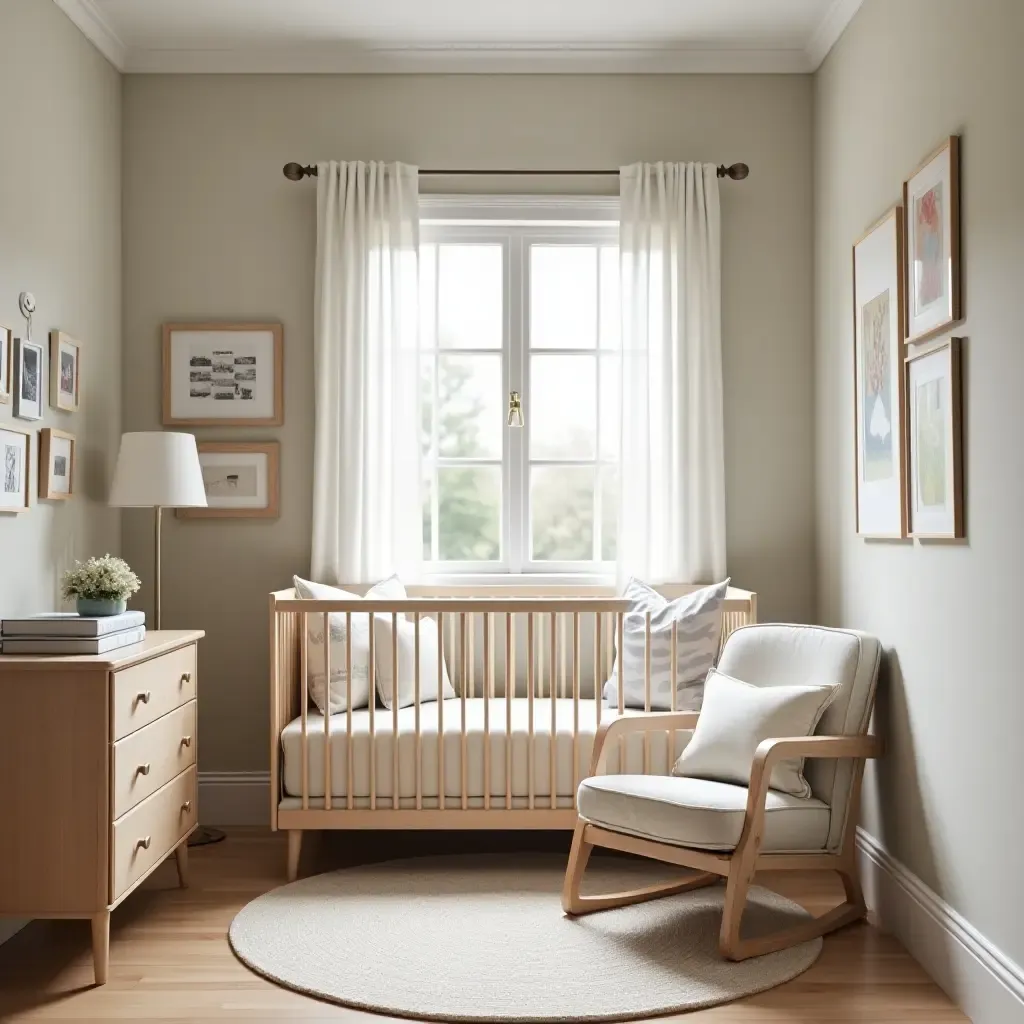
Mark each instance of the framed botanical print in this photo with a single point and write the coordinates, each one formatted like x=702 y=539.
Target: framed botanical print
x=56 y=464
x=936 y=471
x=241 y=480
x=223 y=375
x=28 y=380
x=878 y=307
x=6 y=344
x=15 y=457
x=65 y=356
x=931 y=198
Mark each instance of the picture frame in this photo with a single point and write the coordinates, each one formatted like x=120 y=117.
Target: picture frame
x=28 y=379
x=879 y=311
x=15 y=467
x=65 y=371
x=931 y=200
x=935 y=416
x=57 y=457
x=223 y=374
x=6 y=363
x=242 y=480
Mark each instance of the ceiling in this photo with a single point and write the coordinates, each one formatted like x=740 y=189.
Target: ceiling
x=528 y=36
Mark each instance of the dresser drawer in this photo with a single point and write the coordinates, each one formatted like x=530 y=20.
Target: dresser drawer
x=150 y=757
x=146 y=692
x=148 y=832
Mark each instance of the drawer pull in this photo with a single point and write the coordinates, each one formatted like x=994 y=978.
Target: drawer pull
x=186 y=741
x=186 y=807
x=143 y=698
x=143 y=844
x=186 y=677
x=143 y=769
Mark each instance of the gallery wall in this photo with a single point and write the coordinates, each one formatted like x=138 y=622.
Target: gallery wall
x=60 y=238
x=213 y=230
x=945 y=801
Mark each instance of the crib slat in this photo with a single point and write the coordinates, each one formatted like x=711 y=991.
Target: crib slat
x=575 y=700
x=647 y=690
x=416 y=700
x=529 y=708
x=510 y=687
x=371 y=703
x=328 y=787
x=350 y=797
x=554 y=711
x=394 y=711
x=562 y=692
x=440 y=711
x=487 y=711
x=304 y=662
x=670 y=739
x=464 y=648
x=620 y=679
x=598 y=619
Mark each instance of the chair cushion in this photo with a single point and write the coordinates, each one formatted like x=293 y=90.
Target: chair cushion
x=698 y=813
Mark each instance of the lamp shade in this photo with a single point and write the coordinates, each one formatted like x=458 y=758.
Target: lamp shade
x=158 y=468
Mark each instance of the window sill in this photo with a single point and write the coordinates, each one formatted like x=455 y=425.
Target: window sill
x=521 y=579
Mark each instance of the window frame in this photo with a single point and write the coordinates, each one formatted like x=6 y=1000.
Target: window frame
x=516 y=223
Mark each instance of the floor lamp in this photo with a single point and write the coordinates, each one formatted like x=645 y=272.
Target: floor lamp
x=159 y=469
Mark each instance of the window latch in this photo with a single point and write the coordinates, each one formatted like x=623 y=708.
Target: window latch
x=515 y=409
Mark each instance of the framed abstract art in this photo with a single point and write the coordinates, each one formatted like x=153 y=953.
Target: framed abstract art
x=56 y=464
x=878 y=326
x=931 y=198
x=936 y=468
x=65 y=357
x=28 y=379
x=15 y=457
x=6 y=365
x=241 y=480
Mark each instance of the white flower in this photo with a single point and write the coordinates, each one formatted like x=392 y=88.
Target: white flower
x=100 y=579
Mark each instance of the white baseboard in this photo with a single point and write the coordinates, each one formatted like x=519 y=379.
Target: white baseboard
x=982 y=980
x=234 y=798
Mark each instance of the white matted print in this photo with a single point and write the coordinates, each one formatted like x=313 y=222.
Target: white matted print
x=65 y=356
x=931 y=198
x=15 y=455
x=6 y=344
x=878 y=305
x=28 y=380
x=936 y=475
x=56 y=464
x=223 y=374
x=241 y=480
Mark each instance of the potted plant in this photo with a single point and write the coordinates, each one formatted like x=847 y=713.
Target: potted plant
x=100 y=586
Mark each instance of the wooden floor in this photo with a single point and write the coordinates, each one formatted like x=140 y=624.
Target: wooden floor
x=170 y=960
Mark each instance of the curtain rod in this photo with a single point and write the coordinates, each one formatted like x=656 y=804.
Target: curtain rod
x=296 y=172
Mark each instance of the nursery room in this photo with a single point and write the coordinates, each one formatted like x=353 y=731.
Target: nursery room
x=508 y=510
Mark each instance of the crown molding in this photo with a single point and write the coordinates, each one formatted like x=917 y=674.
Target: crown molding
x=95 y=28
x=831 y=27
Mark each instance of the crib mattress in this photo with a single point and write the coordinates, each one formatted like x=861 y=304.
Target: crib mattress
x=486 y=725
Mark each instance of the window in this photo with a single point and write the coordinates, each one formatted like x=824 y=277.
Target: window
x=517 y=302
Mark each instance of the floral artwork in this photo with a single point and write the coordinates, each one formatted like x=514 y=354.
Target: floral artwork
x=931 y=416
x=929 y=260
x=876 y=375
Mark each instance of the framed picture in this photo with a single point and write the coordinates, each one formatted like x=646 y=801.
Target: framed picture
x=56 y=464
x=65 y=355
x=28 y=380
x=936 y=473
x=878 y=312
x=931 y=198
x=15 y=457
x=6 y=344
x=241 y=480
x=223 y=375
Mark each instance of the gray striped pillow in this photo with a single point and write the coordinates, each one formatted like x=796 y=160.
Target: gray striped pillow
x=698 y=618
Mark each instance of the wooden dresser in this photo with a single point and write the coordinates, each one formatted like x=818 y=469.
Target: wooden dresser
x=97 y=777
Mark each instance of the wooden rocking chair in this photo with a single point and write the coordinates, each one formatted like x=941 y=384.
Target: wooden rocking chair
x=730 y=832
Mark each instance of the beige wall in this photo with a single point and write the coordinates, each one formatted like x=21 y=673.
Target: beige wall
x=212 y=229
x=946 y=799
x=60 y=238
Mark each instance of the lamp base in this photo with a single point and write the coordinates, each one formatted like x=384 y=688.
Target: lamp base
x=204 y=835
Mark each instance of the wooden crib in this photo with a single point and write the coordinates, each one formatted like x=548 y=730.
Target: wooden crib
x=528 y=665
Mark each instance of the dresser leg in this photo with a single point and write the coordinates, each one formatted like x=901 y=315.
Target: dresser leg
x=294 y=850
x=181 y=859
x=101 y=945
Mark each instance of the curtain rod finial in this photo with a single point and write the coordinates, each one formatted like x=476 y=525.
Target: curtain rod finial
x=736 y=171
x=296 y=172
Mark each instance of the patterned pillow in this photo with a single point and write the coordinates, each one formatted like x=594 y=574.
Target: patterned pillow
x=698 y=619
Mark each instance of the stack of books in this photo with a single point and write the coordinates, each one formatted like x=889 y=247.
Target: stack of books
x=58 y=633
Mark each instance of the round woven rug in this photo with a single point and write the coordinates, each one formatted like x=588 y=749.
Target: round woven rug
x=483 y=938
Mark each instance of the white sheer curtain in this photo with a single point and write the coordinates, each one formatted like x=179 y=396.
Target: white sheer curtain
x=366 y=473
x=672 y=506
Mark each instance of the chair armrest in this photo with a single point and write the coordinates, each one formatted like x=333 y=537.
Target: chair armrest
x=651 y=721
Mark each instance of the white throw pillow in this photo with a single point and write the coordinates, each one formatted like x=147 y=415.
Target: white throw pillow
x=737 y=717
x=406 y=652
x=698 y=619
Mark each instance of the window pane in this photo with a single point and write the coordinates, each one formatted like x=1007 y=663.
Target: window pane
x=427 y=406
x=428 y=516
x=610 y=425
x=469 y=513
x=470 y=296
x=561 y=407
x=428 y=296
x=562 y=513
x=563 y=296
x=609 y=512
x=611 y=325
x=469 y=407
